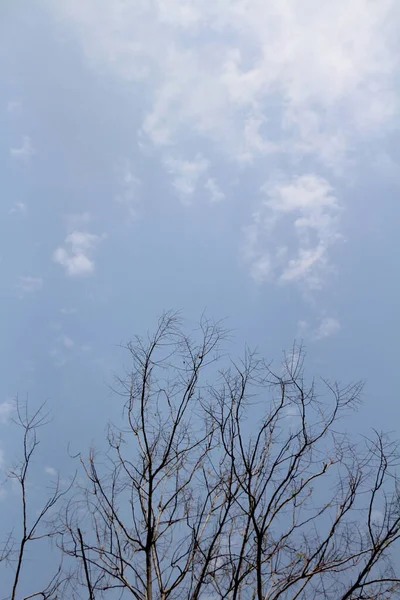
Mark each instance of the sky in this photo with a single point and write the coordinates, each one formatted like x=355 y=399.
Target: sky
x=237 y=157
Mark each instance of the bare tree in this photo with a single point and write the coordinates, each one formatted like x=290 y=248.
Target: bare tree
x=33 y=526
x=244 y=488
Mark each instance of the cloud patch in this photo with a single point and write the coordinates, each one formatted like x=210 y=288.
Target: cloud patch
x=19 y=208
x=76 y=255
x=29 y=285
x=292 y=231
x=129 y=183
x=326 y=71
x=25 y=151
x=261 y=82
x=68 y=310
x=214 y=191
x=185 y=175
x=6 y=410
x=66 y=342
x=14 y=106
x=327 y=327
x=50 y=471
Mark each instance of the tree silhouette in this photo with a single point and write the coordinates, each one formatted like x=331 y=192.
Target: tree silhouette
x=231 y=480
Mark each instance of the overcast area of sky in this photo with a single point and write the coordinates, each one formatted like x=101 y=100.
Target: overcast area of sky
x=239 y=156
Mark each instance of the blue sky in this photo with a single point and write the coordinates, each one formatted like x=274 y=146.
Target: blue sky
x=236 y=156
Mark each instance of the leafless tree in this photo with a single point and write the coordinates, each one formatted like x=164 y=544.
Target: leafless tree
x=32 y=527
x=232 y=480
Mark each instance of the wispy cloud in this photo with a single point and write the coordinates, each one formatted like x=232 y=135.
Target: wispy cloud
x=129 y=184
x=67 y=342
x=215 y=192
x=50 y=471
x=18 y=208
x=25 y=151
x=292 y=231
x=377 y=518
x=6 y=410
x=66 y=310
x=285 y=81
x=326 y=84
x=185 y=175
x=77 y=220
x=58 y=357
x=29 y=285
x=2 y=459
x=14 y=106
x=327 y=327
x=76 y=253
x=387 y=167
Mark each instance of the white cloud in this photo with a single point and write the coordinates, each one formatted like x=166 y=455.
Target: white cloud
x=302 y=327
x=2 y=459
x=29 y=285
x=305 y=210
x=50 y=471
x=387 y=167
x=304 y=265
x=76 y=254
x=325 y=327
x=14 y=106
x=185 y=175
x=325 y=71
x=77 y=220
x=129 y=184
x=68 y=311
x=59 y=360
x=216 y=194
x=377 y=517
x=66 y=342
x=254 y=142
x=6 y=410
x=25 y=151
x=18 y=208
x=328 y=326
x=258 y=81
x=261 y=269
x=292 y=415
